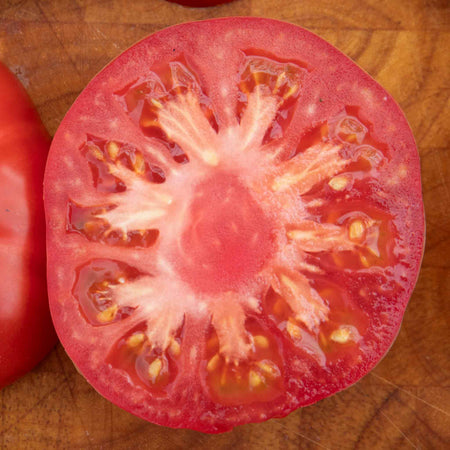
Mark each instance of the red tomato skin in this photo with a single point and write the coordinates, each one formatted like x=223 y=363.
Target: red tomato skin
x=200 y=3
x=26 y=329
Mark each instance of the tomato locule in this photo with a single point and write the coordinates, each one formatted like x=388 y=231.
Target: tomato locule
x=26 y=330
x=235 y=224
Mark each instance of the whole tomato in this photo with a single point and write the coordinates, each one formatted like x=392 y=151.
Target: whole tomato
x=200 y=3
x=26 y=330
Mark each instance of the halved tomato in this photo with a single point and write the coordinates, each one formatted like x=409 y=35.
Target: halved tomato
x=235 y=224
x=26 y=330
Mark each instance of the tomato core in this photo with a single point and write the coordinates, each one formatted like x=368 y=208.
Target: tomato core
x=227 y=238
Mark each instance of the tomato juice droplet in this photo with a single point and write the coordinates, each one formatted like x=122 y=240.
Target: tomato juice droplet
x=228 y=237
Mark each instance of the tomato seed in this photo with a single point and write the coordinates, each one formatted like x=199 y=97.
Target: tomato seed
x=213 y=363
x=292 y=90
x=356 y=230
x=96 y=153
x=154 y=369
x=294 y=330
x=269 y=369
x=108 y=314
x=174 y=348
x=254 y=379
x=136 y=339
x=261 y=341
x=112 y=149
x=338 y=183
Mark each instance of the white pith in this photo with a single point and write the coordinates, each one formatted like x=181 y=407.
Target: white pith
x=163 y=299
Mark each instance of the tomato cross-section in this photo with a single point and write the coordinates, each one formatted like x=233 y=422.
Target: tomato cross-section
x=235 y=224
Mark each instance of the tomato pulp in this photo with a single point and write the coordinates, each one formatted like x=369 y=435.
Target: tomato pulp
x=235 y=224
x=26 y=330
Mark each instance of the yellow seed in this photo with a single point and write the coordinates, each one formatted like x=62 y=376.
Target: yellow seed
x=293 y=330
x=374 y=250
x=292 y=90
x=149 y=123
x=113 y=150
x=139 y=164
x=338 y=183
x=121 y=280
x=136 y=339
x=108 y=314
x=96 y=153
x=364 y=261
x=154 y=369
x=213 y=363
x=174 y=348
x=156 y=103
x=269 y=369
x=279 y=82
x=261 y=341
x=356 y=230
x=341 y=335
x=254 y=379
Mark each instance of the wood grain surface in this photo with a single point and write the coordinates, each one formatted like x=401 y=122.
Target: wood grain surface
x=57 y=46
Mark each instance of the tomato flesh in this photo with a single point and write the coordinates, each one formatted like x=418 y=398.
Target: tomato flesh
x=234 y=230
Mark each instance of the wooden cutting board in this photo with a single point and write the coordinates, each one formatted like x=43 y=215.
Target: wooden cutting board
x=57 y=46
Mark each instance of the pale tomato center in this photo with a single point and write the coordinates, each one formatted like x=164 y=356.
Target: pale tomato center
x=227 y=238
